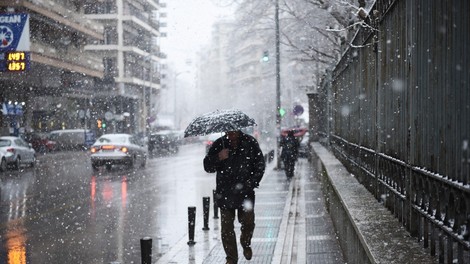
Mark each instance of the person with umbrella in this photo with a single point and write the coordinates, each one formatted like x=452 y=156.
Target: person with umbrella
x=239 y=163
x=289 y=153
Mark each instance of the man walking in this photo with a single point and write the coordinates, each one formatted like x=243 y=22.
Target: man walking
x=239 y=163
x=290 y=153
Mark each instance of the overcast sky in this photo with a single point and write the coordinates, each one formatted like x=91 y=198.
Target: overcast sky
x=189 y=25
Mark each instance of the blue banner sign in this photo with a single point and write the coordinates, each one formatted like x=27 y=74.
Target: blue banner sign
x=14 y=32
x=14 y=42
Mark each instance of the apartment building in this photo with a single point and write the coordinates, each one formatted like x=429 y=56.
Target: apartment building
x=232 y=66
x=132 y=54
x=62 y=76
x=90 y=61
x=214 y=68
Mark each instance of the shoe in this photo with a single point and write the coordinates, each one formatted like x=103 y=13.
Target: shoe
x=230 y=261
x=248 y=253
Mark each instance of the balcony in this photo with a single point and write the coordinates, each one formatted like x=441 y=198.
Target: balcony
x=152 y=4
x=70 y=59
x=148 y=25
x=54 y=13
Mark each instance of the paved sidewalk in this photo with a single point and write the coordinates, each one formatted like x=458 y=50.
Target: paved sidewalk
x=292 y=225
x=322 y=245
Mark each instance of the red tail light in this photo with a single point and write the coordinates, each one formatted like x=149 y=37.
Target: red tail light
x=108 y=147
x=12 y=150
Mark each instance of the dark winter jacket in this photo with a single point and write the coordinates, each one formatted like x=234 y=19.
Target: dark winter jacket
x=290 y=148
x=238 y=175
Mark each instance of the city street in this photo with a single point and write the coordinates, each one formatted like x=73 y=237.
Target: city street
x=62 y=212
x=360 y=109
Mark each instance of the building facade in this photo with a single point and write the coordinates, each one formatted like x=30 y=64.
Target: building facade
x=132 y=62
x=92 y=62
x=61 y=77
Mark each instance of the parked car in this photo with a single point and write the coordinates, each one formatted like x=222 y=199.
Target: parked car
x=72 y=139
x=162 y=142
x=118 y=149
x=40 y=142
x=18 y=151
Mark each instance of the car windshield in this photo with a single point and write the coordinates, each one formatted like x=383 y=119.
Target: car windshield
x=111 y=139
x=5 y=143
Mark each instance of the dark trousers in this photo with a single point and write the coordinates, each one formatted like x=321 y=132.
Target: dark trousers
x=289 y=166
x=247 y=220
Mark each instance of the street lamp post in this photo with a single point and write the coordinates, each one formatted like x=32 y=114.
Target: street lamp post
x=278 y=85
x=147 y=96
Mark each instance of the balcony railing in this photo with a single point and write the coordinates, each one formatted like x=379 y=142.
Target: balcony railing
x=54 y=10
x=71 y=56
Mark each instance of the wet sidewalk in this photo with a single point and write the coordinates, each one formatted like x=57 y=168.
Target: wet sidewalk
x=292 y=225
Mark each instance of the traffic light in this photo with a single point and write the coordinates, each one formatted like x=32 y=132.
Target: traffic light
x=265 y=56
x=103 y=125
x=99 y=123
x=282 y=112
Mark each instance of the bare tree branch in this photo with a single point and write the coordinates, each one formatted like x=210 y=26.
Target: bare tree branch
x=305 y=51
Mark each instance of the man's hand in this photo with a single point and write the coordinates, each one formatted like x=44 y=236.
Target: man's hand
x=223 y=154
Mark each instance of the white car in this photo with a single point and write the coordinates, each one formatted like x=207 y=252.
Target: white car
x=118 y=149
x=17 y=152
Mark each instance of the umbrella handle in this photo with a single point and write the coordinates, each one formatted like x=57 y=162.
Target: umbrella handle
x=223 y=143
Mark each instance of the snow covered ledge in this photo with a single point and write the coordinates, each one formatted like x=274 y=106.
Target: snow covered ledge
x=367 y=231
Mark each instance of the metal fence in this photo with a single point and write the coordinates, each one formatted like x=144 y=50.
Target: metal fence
x=396 y=110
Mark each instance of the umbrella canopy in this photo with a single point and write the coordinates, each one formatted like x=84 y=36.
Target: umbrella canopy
x=298 y=131
x=218 y=121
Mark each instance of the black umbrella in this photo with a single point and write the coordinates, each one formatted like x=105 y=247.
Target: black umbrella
x=218 y=121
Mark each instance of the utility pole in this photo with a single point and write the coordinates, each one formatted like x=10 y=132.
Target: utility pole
x=278 y=85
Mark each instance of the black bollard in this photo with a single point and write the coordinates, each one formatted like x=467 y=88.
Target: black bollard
x=191 y=223
x=206 y=206
x=146 y=250
x=216 y=208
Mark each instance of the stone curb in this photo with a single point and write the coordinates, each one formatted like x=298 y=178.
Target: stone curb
x=368 y=232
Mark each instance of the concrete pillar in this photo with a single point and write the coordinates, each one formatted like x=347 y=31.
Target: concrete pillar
x=314 y=113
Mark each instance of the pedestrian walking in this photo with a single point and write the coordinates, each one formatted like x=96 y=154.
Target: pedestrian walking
x=239 y=163
x=289 y=153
